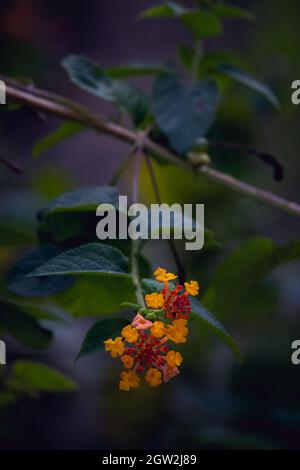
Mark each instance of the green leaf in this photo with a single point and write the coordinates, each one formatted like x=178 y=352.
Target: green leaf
x=161 y=223
x=7 y=398
x=29 y=376
x=14 y=232
x=133 y=70
x=94 y=296
x=19 y=282
x=199 y=312
x=224 y=10
x=184 y=111
x=167 y=9
x=211 y=60
x=24 y=328
x=82 y=199
x=150 y=285
x=99 y=332
x=89 y=76
x=250 y=82
x=238 y=276
x=202 y=24
x=64 y=131
x=91 y=259
x=37 y=309
x=186 y=55
x=72 y=215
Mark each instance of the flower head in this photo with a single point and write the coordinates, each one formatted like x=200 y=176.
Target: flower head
x=129 y=380
x=153 y=377
x=144 y=345
x=116 y=347
x=130 y=334
x=192 y=287
x=154 y=300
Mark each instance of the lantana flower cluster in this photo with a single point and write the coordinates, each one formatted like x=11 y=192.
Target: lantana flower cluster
x=145 y=345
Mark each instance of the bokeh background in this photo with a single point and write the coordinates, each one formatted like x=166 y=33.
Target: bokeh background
x=215 y=403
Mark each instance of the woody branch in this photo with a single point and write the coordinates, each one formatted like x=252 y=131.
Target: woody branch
x=66 y=109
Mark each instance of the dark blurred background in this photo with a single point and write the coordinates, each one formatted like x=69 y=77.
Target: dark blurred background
x=215 y=402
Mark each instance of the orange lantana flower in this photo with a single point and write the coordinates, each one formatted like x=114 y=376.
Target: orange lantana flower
x=173 y=359
x=158 y=329
x=177 y=331
x=130 y=334
x=116 y=347
x=161 y=275
x=154 y=300
x=153 y=377
x=129 y=380
x=192 y=287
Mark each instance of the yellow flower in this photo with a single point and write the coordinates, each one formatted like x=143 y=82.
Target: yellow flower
x=129 y=380
x=177 y=332
x=127 y=361
x=192 y=287
x=158 y=329
x=154 y=300
x=173 y=359
x=153 y=377
x=162 y=275
x=116 y=347
x=130 y=334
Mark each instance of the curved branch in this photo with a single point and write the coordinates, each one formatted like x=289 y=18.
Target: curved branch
x=66 y=109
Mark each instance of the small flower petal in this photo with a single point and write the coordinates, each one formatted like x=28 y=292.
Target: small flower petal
x=173 y=359
x=141 y=323
x=158 y=329
x=153 y=377
x=192 y=287
x=116 y=347
x=154 y=300
x=127 y=361
x=129 y=380
x=130 y=334
x=177 y=331
x=169 y=372
x=162 y=275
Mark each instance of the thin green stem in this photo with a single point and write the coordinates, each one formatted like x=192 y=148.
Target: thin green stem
x=135 y=250
x=197 y=59
x=180 y=267
x=136 y=244
x=120 y=170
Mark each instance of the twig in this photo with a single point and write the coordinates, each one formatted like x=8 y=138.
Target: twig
x=12 y=165
x=80 y=114
x=259 y=195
